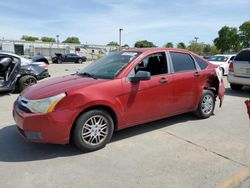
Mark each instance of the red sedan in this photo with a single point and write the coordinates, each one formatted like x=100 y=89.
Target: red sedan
x=120 y=90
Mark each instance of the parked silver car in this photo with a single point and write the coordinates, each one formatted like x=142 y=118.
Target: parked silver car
x=239 y=70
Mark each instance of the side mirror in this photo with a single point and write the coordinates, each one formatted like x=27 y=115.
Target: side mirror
x=140 y=75
x=230 y=61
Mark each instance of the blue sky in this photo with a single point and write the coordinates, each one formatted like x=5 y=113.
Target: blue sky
x=98 y=21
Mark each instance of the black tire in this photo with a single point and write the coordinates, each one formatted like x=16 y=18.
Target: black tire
x=236 y=87
x=59 y=61
x=223 y=72
x=80 y=61
x=85 y=136
x=206 y=105
x=26 y=81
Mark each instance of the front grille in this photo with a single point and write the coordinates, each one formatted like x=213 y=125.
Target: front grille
x=23 y=108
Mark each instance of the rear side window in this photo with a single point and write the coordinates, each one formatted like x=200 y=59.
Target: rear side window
x=182 y=62
x=243 y=56
x=202 y=64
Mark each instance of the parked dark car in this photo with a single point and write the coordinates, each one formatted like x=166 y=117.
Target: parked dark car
x=15 y=75
x=60 y=58
x=120 y=90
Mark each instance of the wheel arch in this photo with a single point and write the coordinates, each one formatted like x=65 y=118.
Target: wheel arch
x=108 y=109
x=22 y=75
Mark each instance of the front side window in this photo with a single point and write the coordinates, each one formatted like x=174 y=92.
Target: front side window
x=232 y=58
x=182 y=62
x=110 y=65
x=155 y=64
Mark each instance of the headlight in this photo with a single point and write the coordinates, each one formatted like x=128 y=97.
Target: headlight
x=44 y=105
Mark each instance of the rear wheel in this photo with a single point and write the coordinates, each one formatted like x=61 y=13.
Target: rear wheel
x=236 y=87
x=93 y=130
x=59 y=61
x=223 y=72
x=206 y=105
x=26 y=81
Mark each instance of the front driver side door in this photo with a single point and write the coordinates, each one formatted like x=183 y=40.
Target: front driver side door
x=147 y=100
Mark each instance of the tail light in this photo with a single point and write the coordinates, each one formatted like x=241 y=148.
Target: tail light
x=231 y=67
x=44 y=65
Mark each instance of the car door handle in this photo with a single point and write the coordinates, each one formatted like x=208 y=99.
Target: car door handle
x=163 y=80
x=196 y=74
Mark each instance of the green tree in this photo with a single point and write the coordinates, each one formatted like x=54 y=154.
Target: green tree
x=244 y=33
x=228 y=39
x=209 y=49
x=74 y=40
x=29 y=38
x=196 y=47
x=48 y=39
x=214 y=50
x=144 y=44
x=181 y=45
x=125 y=46
x=169 y=45
x=112 y=43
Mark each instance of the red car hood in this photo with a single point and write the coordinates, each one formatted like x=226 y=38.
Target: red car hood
x=58 y=85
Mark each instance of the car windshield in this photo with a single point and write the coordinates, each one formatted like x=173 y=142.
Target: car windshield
x=110 y=65
x=218 y=58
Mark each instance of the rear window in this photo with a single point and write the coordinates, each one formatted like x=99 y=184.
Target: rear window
x=202 y=64
x=243 y=56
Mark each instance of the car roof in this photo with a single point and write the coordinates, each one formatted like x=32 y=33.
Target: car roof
x=142 y=50
x=227 y=55
x=9 y=53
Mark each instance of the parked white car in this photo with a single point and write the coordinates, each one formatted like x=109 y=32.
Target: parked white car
x=222 y=60
x=239 y=70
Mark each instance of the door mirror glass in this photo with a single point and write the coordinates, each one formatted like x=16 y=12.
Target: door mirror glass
x=140 y=75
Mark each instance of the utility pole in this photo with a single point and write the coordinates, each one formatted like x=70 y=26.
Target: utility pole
x=120 y=38
x=196 y=38
x=57 y=40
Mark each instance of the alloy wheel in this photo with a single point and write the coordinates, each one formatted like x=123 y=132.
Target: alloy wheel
x=207 y=104
x=95 y=130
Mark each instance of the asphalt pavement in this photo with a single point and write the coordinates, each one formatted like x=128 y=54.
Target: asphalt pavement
x=180 y=151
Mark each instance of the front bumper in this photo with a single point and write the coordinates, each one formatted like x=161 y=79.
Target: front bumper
x=51 y=127
x=232 y=79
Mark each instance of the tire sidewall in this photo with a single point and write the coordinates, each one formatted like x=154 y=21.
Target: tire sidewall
x=23 y=79
x=77 y=133
x=236 y=87
x=59 y=61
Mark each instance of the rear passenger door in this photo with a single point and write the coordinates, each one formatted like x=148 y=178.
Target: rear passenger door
x=186 y=81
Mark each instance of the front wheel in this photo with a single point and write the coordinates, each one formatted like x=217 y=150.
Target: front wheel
x=93 y=130
x=80 y=61
x=26 y=81
x=206 y=105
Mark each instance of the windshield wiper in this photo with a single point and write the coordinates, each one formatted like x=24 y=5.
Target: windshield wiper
x=87 y=74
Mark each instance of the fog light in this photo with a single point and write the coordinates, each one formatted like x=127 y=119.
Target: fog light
x=33 y=135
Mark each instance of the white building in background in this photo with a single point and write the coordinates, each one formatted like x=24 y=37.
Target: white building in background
x=49 y=49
